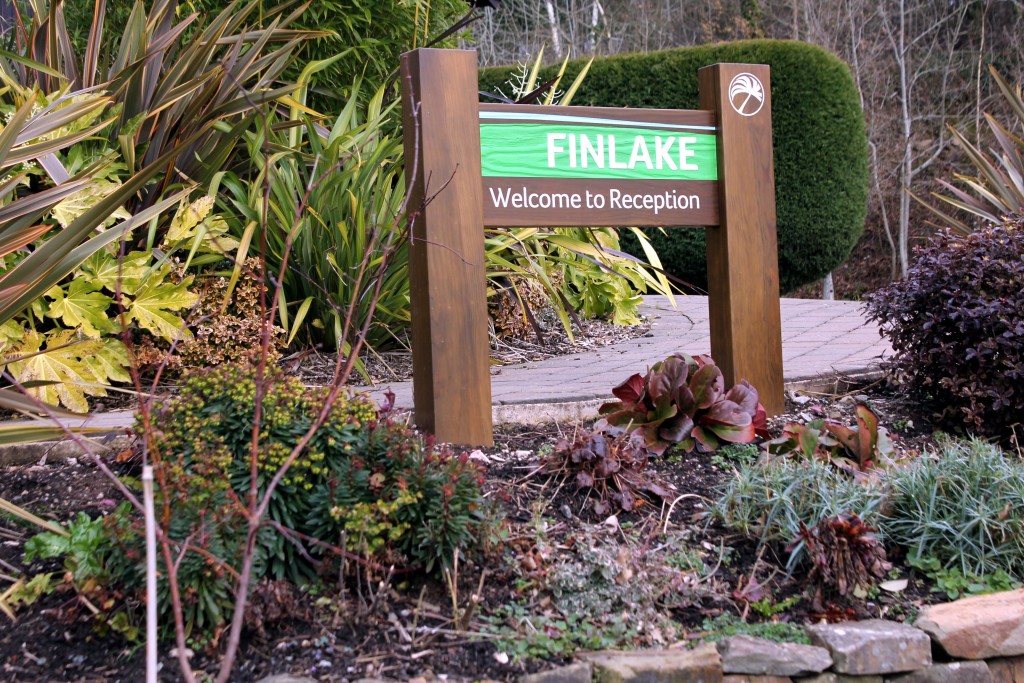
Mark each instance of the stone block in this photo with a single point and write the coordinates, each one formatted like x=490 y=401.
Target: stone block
x=833 y=677
x=750 y=678
x=955 y=672
x=978 y=627
x=1007 y=669
x=873 y=647
x=700 y=665
x=580 y=672
x=747 y=655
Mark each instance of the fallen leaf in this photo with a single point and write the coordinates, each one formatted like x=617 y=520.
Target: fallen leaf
x=894 y=586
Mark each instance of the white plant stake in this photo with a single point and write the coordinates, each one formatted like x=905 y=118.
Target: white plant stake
x=151 y=606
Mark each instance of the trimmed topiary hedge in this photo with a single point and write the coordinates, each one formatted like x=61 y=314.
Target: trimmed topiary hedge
x=821 y=153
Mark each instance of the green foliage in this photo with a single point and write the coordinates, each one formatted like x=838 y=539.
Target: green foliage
x=771 y=500
x=682 y=400
x=963 y=507
x=88 y=550
x=329 y=202
x=34 y=255
x=137 y=137
x=821 y=166
x=997 y=190
x=364 y=481
x=726 y=625
x=956 y=324
x=959 y=510
x=523 y=635
x=768 y=608
x=195 y=95
x=84 y=550
x=368 y=36
x=735 y=454
x=853 y=449
x=955 y=584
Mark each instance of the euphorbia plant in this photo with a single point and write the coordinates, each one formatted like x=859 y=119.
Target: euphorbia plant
x=682 y=400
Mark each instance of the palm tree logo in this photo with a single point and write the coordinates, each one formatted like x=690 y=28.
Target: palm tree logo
x=746 y=94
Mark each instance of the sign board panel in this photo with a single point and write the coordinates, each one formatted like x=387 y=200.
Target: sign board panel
x=586 y=166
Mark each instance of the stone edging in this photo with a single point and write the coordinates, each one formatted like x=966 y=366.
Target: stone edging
x=974 y=640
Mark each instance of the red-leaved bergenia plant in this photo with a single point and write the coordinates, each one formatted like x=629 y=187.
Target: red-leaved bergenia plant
x=682 y=400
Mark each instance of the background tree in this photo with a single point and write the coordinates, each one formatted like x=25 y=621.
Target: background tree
x=919 y=65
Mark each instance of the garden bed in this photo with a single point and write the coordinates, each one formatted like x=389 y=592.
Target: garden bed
x=660 y=575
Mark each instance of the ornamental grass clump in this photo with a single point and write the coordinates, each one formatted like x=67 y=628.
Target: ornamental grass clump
x=774 y=499
x=963 y=507
x=366 y=487
x=956 y=324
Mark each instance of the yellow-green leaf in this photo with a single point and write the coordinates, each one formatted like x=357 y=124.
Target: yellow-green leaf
x=77 y=204
x=107 y=270
x=83 y=305
x=153 y=306
x=11 y=332
x=110 y=363
x=188 y=216
x=61 y=362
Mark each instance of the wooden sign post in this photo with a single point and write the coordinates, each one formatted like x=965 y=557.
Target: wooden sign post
x=472 y=165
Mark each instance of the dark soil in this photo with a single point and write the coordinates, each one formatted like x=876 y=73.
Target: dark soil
x=402 y=628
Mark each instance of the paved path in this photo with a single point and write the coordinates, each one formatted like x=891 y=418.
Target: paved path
x=820 y=339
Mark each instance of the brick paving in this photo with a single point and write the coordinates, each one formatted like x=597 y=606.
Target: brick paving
x=820 y=339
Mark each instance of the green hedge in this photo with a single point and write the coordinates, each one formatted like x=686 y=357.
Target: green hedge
x=821 y=152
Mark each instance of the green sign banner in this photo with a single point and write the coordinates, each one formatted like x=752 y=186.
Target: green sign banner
x=602 y=149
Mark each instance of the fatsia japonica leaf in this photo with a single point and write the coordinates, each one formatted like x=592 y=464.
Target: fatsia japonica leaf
x=110 y=362
x=109 y=270
x=154 y=305
x=188 y=216
x=77 y=204
x=82 y=305
x=67 y=378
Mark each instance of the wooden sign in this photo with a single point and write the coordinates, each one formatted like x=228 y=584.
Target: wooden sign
x=470 y=165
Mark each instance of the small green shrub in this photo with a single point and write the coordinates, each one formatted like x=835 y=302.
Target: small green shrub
x=364 y=481
x=955 y=584
x=821 y=152
x=963 y=507
x=523 y=635
x=956 y=323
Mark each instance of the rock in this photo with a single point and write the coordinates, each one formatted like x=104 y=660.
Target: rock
x=873 y=647
x=833 y=677
x=979 y=627
x=956 y=672
x=747 y=655
x=700 y=665
x=748 y=678
x=580 y=672
x=1007 y=669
